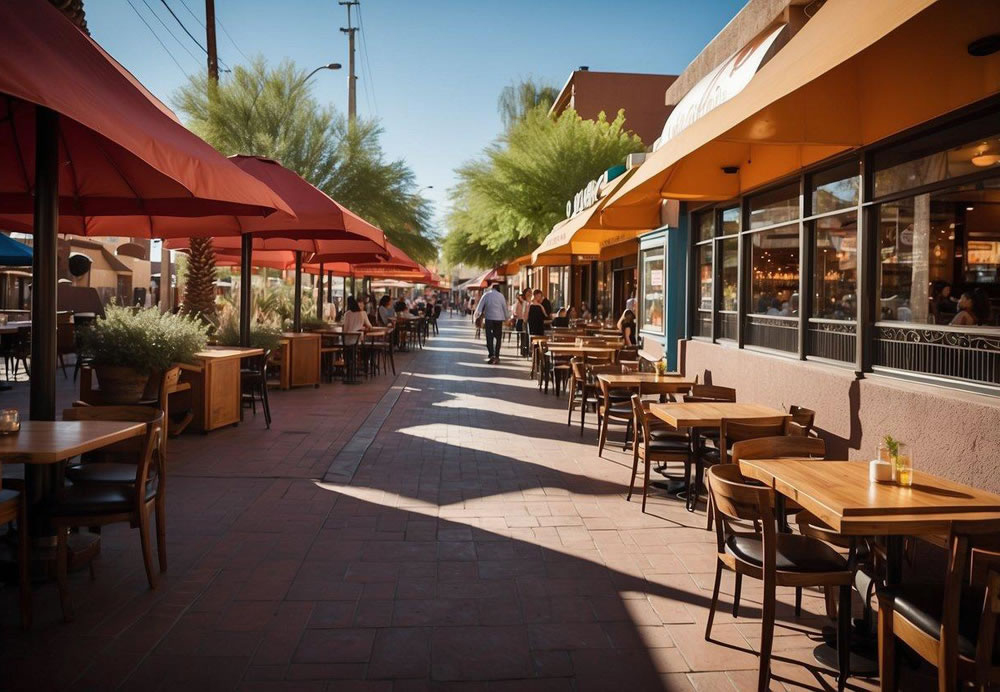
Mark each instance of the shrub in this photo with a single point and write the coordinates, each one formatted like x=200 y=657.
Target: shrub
x=263 y=336
x=146 y=340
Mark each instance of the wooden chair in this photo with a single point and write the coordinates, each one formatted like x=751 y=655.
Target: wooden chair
x=65 y=343
x=125 y=489
x=804 y=417
x=794 y=447
x=710 y=393
x=611 y=410
x=778 y=559
x=648 y=449
x=576 y=388
x=14 y=508
x=731 y=432
x=951 y=625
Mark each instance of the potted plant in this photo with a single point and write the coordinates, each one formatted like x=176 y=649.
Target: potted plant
x=263 y=336
x=127 y=346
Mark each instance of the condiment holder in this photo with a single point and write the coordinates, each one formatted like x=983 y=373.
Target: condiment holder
x=10 y=421
x=879 y=471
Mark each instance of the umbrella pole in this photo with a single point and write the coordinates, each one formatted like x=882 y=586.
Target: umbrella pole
x=43 y=284
x=329 y=287
x=319 y=293
x=246 y=280
x=297 y=315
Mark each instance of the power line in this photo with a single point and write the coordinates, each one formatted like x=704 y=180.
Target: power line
x=190 y=35
x=167 y=29
x=157 y=37
x=221 y=25
x=364 y=48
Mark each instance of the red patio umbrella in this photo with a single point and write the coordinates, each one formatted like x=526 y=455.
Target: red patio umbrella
x=321 y=225
x=83 y=141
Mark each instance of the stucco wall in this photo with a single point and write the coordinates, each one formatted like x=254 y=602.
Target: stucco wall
x=952 y=433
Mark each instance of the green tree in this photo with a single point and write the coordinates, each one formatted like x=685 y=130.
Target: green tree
x=518 y=99
x=269 y=111
x=508 y=199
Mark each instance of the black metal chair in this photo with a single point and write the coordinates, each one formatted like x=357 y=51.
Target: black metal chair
x=253 y=385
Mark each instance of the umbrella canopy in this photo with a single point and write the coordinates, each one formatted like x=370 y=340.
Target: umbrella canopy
x=343 y=250
x=397 y=261
x=122 y=153
x=13 y=253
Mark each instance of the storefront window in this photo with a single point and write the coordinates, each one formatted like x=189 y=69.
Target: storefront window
x=939 y=256
x=836 y=188
x=652 y=290
x=706 y=225
x=835 y=267
x=774 y=272
x=775 y=207
x=730 y=273
x=731 y=221
x=908 y=167
x=705 y=276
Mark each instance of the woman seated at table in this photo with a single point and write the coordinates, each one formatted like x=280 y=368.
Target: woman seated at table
x=355 y=321
x=561 y=319
x=626 y=325
x=386 y=315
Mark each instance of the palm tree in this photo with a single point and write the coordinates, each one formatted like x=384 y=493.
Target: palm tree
x=517 y=100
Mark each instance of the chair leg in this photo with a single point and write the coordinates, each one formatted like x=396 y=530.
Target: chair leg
x=62 y=576
x=844 y=637
x=265 y=404
x=583 y=409
x=715 y=600
x=886 y=649
x=24 y=562
x=602 y=436
x=766 y=634
x=798 y=601
x=831 y=602
x=147 y=549
x=635 y=470
x=628 y=435
x=161 y=531
x=645 y=481
x=736 y=595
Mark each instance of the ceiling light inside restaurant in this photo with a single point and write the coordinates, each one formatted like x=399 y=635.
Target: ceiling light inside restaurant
x=983 y=160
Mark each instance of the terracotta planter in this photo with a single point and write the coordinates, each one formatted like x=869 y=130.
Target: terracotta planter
x=121 y=384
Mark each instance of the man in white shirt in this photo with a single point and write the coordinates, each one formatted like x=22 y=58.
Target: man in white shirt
x=493 y=307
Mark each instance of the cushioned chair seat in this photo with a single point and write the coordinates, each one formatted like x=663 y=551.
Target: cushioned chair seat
x=668 y=434
x=794 y=553
x=620 y=394
x=710 y=455
x=922 y=604
x=621 y=409
x=102 y=472
x=95 y=498
x=675 y=446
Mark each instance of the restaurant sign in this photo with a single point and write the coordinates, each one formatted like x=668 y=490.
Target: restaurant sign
x=589 y=195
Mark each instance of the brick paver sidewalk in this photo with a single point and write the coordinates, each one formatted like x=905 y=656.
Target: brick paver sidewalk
x=465 y=538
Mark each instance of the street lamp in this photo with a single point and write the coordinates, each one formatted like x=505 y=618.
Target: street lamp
x=331 y=66
x=425 y=187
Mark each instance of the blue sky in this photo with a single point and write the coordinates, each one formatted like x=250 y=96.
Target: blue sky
x=436 y=66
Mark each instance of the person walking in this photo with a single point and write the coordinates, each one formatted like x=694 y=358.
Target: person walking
x=492 y=307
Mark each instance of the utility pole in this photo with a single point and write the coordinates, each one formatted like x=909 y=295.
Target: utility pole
x=352 y=80
x=213 y=56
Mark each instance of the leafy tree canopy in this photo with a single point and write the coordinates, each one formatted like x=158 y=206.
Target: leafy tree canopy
x=519 y=99
x=269 y=111
x=508 y=199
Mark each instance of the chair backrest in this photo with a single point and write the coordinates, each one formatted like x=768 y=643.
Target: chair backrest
x=641 y=416
x=648 y=388
x=733 y=431
x=736 y=500
x=629 y=366
x=597 y=358
x=711 y=392
x=147 y=457
x=779 y=447
x=805 y=417
x=579 y=371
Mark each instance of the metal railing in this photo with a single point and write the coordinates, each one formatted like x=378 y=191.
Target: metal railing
x=770 y=331
x=971 y=354
x=831 y=339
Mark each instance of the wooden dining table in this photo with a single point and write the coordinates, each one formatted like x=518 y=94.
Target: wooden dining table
x=42 y=446
x=703 y=414
x=216 y=386
x=840 y=494
x=659 y=384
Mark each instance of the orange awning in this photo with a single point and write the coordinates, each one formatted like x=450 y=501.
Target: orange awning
x=514 y=266
x=581 y=234
x=857 y=72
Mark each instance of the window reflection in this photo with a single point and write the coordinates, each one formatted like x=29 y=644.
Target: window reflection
x=706 y=225
x=836 y=188
x=652 y=289
x=730 y=221
x=775 y=207
x=730 y=273
x=835 y=267
x=774 y=272
x=705 y=277
x=940 y=255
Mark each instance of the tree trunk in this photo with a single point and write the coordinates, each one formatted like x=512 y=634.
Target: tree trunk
x=199 y=290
